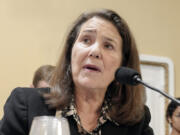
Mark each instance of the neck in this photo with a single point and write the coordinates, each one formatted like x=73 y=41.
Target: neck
x=89 y=100
x=88 y=104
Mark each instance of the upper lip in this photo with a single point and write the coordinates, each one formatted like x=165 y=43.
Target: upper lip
x=92 y=67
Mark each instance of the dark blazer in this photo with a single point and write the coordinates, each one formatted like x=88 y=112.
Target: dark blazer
x=26 y=103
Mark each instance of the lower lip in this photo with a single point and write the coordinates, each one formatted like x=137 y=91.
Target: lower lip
x=89 y=70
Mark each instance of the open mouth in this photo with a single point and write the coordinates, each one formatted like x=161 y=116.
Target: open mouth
x=92 y=68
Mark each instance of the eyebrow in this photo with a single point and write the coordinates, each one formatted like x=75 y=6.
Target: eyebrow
x=94 y=31
x=111 y=40
x=89 y=31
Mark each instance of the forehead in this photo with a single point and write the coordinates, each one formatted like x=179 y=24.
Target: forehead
x=100 y=24
x=42 y=84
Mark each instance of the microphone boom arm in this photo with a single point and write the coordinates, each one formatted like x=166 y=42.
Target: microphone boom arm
x=138 y=80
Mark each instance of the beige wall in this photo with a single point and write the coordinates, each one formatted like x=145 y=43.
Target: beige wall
x=32 y=31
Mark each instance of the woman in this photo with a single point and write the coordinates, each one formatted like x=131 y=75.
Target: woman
x=84 y=89
x=173 y=117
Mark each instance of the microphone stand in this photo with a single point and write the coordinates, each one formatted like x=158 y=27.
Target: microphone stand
x=137 y=79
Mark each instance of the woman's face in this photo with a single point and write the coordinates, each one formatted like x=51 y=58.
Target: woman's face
x=96 y=54
x=175 y=120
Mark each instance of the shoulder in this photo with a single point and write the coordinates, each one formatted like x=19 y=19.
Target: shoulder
x=28 y=101
x=20 y=94
x=29 y=91
x=147 y=130
x=140 y=128
x=147 y=115
x=22 y=98
x=20 y=108
x=143 y=126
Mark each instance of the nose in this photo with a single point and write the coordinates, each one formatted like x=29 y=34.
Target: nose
x=95 y=51
x=96 y=56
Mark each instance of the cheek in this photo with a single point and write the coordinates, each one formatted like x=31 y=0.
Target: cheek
x=113 y=63
x=111 y=68
x=175 y=121
x=74 y=61
x=77 y=57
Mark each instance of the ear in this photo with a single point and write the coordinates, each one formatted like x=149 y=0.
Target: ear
x=31 y=86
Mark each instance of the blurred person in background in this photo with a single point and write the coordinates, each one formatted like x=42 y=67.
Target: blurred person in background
x=173 y=117
x=42 y=76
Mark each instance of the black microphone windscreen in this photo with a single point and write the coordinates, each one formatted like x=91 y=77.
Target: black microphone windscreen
x=126 y=75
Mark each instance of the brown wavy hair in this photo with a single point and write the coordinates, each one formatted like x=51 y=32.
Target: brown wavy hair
x=127 y=101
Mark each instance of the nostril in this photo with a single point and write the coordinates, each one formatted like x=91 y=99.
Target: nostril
x=95 y=56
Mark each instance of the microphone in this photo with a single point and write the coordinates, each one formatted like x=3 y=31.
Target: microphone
x=126 y=75
x=130 y=76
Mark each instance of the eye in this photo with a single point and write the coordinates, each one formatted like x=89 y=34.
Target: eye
x=86 y=40
x=109 y=46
